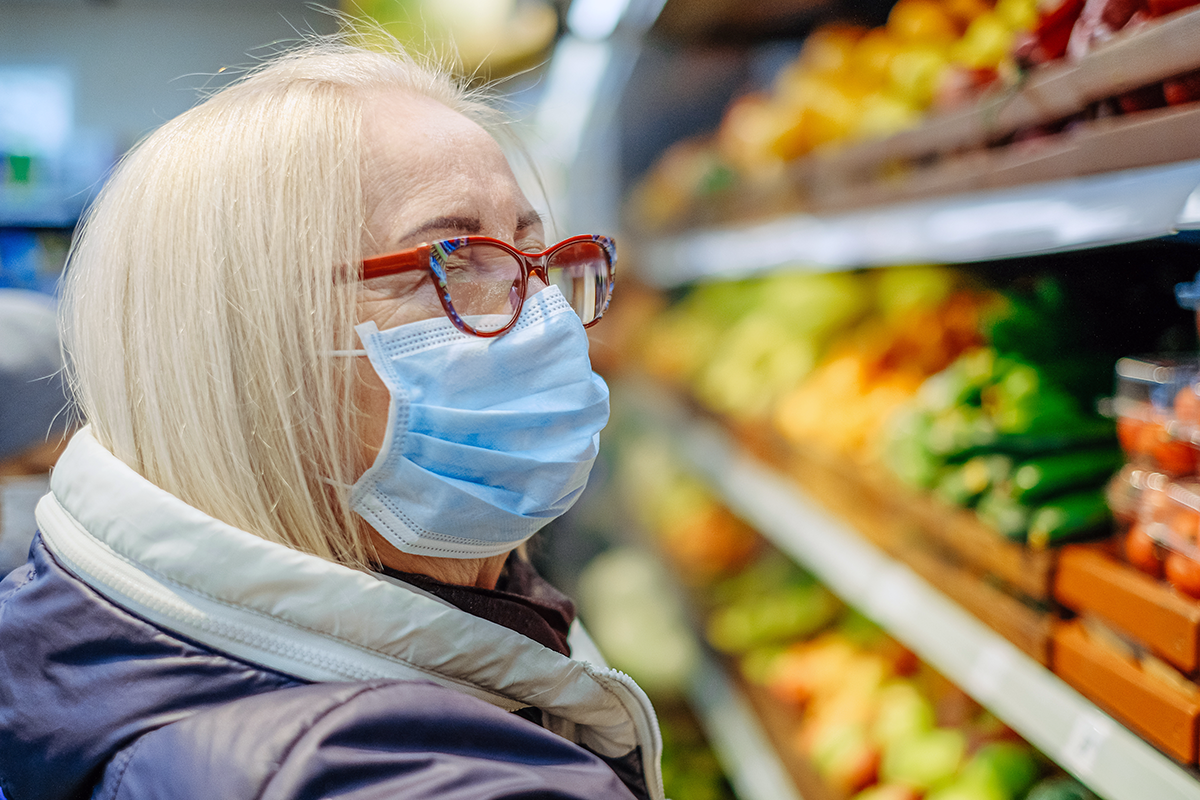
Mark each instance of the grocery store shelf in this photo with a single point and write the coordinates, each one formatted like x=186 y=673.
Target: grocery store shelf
x=1092 y=211
x=738 y=739
x=1105 y=755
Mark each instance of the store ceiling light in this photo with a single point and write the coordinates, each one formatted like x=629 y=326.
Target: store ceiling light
x=595 y=19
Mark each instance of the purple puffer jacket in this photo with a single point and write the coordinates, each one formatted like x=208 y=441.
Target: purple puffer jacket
x=150 y=651
x=96 y=702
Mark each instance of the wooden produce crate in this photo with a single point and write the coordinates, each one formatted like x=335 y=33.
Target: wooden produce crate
x=1091 y=581
x=1164 y=713
x=1147 y=138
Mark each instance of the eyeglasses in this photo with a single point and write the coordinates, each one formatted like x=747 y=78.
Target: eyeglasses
x=482 y=281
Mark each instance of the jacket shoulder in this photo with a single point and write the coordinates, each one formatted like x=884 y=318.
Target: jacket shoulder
x=393 y=739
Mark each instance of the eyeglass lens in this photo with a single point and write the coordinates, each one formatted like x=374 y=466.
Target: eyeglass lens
x=484 y=282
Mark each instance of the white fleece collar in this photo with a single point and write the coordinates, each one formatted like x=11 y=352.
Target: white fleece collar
x=185 y=571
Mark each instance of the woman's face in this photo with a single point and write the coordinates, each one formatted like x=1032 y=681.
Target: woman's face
x=429 y=173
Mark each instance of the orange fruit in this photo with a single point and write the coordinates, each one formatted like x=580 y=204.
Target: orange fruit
x=1132 y=436
x=921 y=21
x=1183 y=573
x=1143 y=552
x=1171 y=455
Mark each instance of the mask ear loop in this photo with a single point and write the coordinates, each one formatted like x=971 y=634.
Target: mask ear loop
x=342 y=354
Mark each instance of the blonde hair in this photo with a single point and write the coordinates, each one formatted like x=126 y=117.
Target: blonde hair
x=202 y=297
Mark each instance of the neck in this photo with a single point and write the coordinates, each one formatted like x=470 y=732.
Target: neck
x=482 y=573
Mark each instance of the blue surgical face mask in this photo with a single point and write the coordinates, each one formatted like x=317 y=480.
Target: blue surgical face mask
x=487 y=439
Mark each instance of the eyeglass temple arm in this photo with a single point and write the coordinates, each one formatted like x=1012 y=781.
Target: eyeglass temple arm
x=417 y=258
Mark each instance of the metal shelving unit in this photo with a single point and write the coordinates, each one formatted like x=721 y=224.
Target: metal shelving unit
x=1116 y=207
x=1052 y=716
x=1035 y=219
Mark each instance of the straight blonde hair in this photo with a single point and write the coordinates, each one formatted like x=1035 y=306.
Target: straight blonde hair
x=208 y=288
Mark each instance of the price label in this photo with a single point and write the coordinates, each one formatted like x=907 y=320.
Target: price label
x=990 y=669
x=1088 y=735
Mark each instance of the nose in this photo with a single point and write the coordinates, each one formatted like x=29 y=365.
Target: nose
x=534 y=285
x=537 y=279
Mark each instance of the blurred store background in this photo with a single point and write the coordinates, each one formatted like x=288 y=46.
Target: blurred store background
x=901 y=494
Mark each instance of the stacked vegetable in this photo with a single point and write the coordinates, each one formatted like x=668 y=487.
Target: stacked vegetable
x=826 y=356
x=846 y=701
x=867 y=716
x=737 y=346
x=1010 y=429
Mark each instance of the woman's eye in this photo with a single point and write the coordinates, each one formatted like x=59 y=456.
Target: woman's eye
x=399 y=285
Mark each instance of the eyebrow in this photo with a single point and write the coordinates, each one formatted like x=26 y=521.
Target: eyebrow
x=460 y=224
x=469 y=225
x=528 y=220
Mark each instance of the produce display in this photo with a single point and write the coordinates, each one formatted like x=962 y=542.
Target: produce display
x=988 y=399
x=849 y=84
x=739 y=345
x=999 y=434
x=984 y=397
x=863 y=341
x=876 y=723
x=846 y=702
x=686 y=522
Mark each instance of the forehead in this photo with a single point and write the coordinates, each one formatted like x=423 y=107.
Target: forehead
x=420 y=157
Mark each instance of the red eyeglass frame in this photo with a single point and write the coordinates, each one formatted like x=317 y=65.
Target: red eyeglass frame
x=431 y=255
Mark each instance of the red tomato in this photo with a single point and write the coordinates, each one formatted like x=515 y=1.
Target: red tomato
x=1183 y=573
x=1133 y=436
x=1143 y=99
x=1182 y=89
x=1143 y=552
x=1185 y=524
x=1173 y=456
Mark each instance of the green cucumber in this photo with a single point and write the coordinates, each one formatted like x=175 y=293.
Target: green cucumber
x=1070 y=517
x=1040 y=478
x=963 y=484
x=1084 y=433
x=999 y=511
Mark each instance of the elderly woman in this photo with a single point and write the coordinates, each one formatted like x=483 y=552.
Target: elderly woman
x=333 y=377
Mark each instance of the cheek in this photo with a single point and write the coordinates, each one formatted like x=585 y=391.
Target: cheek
x=371 y=399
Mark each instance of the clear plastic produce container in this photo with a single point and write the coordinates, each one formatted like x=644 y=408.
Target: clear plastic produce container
x=1158 y=413
x=1169 y=518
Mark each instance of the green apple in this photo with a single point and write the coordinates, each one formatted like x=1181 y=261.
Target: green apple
x=902 y=713
x=1010 y=767
x=925 y=761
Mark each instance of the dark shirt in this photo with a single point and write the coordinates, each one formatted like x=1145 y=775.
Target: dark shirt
x=522 y=601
